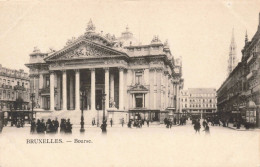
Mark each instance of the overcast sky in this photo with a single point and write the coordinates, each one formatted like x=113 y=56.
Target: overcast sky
x=199 y=31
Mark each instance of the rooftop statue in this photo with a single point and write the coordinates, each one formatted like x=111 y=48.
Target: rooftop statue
x=156 y=39
x=91 y=27
x=36 y=50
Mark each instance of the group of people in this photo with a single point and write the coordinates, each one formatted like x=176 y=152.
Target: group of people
x=51 y=126
x=19 y=122
x=197 y=125
x=138 y=123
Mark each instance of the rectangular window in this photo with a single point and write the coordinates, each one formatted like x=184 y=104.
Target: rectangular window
x=138 y=77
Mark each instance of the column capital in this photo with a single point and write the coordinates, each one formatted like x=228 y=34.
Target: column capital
x=152 y=69
x=63 y=71
x=106 y=68
x=51 y=72
x=92 y=69
x=121 y=68
x=76 y=70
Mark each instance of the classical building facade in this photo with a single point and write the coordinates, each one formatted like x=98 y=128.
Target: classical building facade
x=14 y=89
x=199 y=101
x=239 y=95
x=140 y=81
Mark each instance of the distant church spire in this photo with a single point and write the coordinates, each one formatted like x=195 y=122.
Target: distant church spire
x=246 y=38
x=232 y=61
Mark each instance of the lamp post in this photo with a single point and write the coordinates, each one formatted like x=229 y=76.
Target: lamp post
x=104 y=124
x=32 y=99
x=97 y=115
x=83 y=96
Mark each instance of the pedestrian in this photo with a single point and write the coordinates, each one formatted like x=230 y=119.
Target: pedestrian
x=111 y=122
x=1 y=125
x=104 y=127
x=147 y=122
x=174 y=121
x=129 y=123
x=204 y=123
x=56 y=124
x=93 y=122
x=197 y=126
x=33 y=127
x=62 y=126
x=207 y=130
x=38 y=126
x=48 y=126
x=52 y=127
x=68 y=128
x=123 y=122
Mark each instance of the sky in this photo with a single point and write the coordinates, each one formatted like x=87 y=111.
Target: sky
x=198 y=31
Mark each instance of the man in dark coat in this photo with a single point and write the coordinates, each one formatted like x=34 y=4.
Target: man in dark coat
x=56 y=125
x=111 y=122
x=42 y=127
x=206 y=130
x=68 y=127
x=123 y=121
x=33 y=126
x=62 y=126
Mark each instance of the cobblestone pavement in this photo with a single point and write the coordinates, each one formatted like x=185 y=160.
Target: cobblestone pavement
x=153 y=146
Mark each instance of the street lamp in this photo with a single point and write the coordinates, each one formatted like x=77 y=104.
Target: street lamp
x=104 y=124
x=97 y=115
x=83 y=96
x=32 y=99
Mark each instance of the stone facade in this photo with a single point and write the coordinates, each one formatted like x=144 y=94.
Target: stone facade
x=199 y=101
x=140 y=81
x=14 y=85
x=239 y=95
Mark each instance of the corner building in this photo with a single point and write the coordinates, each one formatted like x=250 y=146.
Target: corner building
x=14 y=85
x=140 y=81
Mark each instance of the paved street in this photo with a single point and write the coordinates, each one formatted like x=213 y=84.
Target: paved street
x=153 y=146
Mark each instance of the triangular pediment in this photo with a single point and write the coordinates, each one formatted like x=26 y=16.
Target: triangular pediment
x=84 y=49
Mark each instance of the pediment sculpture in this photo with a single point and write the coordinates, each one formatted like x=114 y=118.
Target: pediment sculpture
x=85 y=51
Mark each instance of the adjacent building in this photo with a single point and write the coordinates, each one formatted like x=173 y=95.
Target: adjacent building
x=199 y=101
x=239 y=95
x=14 y=89
x=139 y=81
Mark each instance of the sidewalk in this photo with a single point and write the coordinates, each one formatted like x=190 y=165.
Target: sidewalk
x=242 y=128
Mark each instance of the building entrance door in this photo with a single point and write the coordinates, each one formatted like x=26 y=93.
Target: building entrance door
x=99 y=93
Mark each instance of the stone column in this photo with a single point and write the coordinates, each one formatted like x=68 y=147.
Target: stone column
x=152 y=106
x=133 y=97
x=40 y=87
x=93 y=89
x=166 y=90
x=121 y=89
x=71 y=93
x=177 y=98
x=143 y=101
x=112 y=87
x=107 y=87
x=64 y=90
x=52 y=102
x=58 y=91
x=77 y=89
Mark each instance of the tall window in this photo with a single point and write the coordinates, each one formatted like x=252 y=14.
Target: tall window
x=47 y=81
x=138 y=77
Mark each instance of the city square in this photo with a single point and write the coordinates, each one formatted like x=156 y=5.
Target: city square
x=130 y=83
